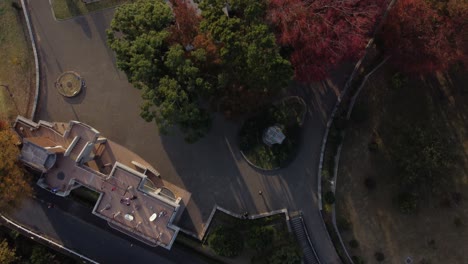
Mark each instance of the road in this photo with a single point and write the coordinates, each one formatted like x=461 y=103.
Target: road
x=211 y=169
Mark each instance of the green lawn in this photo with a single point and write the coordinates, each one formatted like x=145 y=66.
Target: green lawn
x=64 y=9
x=17 y=63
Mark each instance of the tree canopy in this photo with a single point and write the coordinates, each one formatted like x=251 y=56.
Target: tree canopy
x=149 y=50
x=424 y=36
x=13 y=180
x=185 y=63
x=322 y=33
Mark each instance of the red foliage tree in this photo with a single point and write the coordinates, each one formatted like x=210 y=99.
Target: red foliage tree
x=423 y=37
x=187 y=22
x=322 y=33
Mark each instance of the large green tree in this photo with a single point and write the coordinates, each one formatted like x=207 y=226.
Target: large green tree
x=252 y=66
x=185 y=63
x=167 y=74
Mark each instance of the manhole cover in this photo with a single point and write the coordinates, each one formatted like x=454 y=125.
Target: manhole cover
x=60 y=175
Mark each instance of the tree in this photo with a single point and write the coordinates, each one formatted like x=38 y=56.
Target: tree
x=424 y=36
x=7 y=254
x=321 y=34
x=14 y=183
x=148 y=43
x=252 y=67
x=187 y=22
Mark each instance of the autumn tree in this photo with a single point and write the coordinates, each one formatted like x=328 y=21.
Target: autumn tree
x=7 y=254
x=187 y=21
x=14 y=183
x=321 y=34
x=426 y=35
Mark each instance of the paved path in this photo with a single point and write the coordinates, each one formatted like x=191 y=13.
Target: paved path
x=212 y=169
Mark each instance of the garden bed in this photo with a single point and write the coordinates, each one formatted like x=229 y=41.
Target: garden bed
x=287 y=115
x=252 y=241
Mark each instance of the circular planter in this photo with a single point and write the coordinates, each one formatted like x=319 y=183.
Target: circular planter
x=289 y=115
x=69 y=84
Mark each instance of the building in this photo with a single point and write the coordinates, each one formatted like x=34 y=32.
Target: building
x=133 y=197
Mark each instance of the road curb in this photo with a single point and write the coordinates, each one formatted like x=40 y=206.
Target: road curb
x=36 y=59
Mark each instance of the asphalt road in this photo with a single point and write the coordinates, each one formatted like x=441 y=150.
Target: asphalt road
x=211 y=169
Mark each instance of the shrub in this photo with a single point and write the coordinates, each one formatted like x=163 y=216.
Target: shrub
x=407 y=202
x=329 y=197
x=357 y=260
x=370 y=183
x=286 y=255
x=260 y=237
x=16 y=6
x=398 y=81
x=325 y=174
x=379 y=256
x=343 y=224
x=353 y=243
x=226 y=242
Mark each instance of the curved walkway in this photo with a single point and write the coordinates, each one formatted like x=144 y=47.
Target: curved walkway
x=212 y=169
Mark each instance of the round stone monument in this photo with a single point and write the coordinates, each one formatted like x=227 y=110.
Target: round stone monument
x=69 y=84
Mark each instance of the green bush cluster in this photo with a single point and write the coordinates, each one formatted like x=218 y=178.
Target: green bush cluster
x=226 y=242
x=329 y=197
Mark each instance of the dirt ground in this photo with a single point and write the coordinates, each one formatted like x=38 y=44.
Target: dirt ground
x=430 y=235
x=17 y=85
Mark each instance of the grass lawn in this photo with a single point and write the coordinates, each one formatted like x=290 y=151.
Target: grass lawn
x=64 y=9
x=17 y=63
x=437 y=231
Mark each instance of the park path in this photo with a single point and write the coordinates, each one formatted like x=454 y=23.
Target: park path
x=212 y=169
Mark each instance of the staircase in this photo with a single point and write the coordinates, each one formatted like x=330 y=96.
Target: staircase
x=298 y=227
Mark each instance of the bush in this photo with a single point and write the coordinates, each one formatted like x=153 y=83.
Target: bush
x=407 y=202
x=16 y=6
x=286 y=255
x=398 y=81
x=325 y=174
x=370 y=183
x=379 y=256
x=260 y=237
x=357 y=260
x=329 y=197
x=353 y=243
x=226 y=242
x=344 y=224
